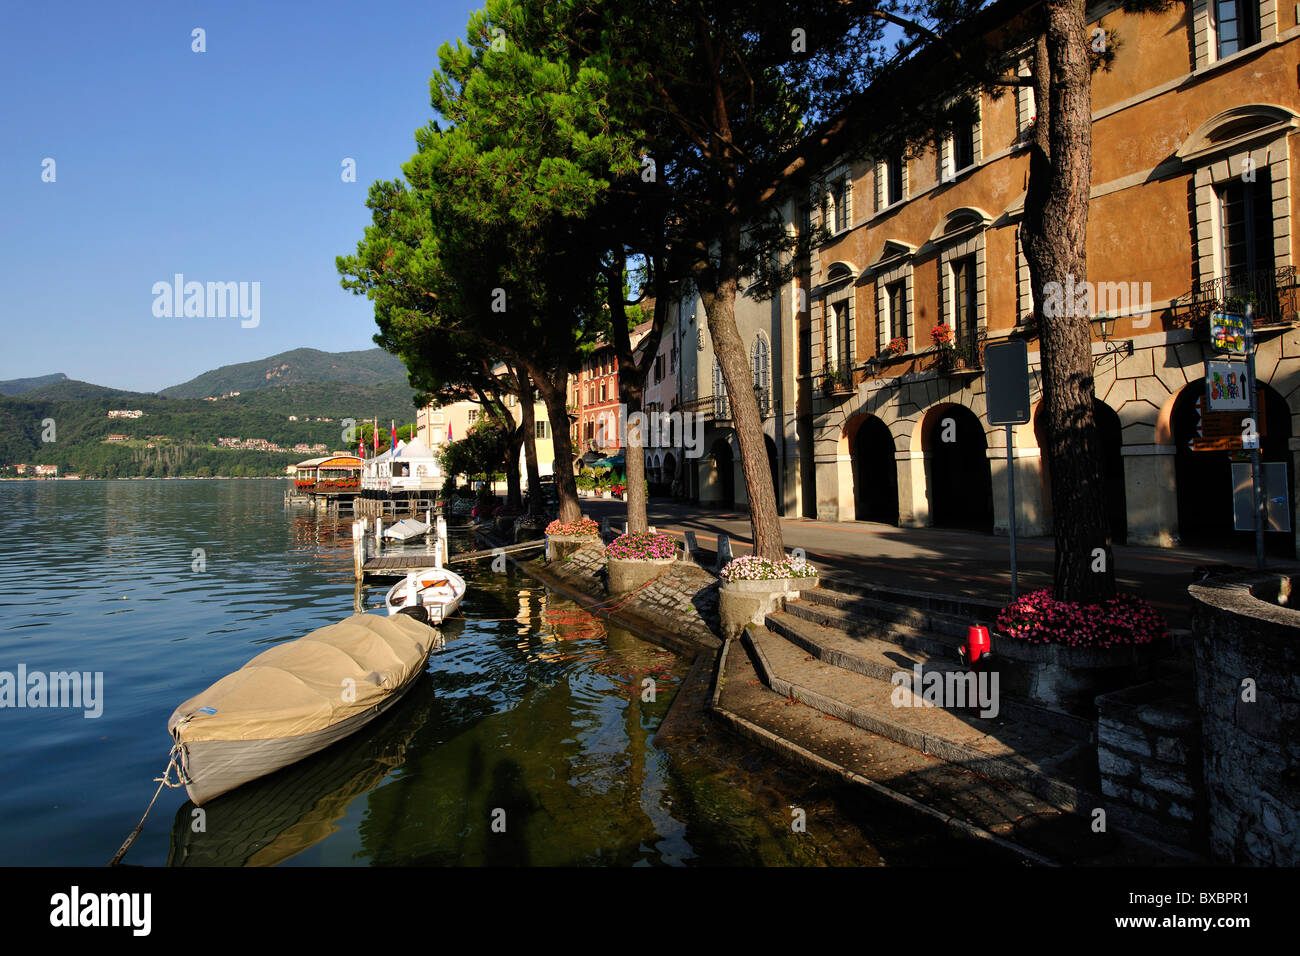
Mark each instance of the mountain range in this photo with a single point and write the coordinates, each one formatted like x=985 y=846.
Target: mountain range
x=297 y=367
x=300 y=397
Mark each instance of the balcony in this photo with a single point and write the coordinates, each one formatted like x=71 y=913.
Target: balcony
x=711 y=408
x=1271 y=294
x=965 y=356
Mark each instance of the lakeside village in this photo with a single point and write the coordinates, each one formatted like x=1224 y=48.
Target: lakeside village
x=1077 y=731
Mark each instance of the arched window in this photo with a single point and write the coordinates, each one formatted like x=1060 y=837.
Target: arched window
x=760 y=369
x=721 y=408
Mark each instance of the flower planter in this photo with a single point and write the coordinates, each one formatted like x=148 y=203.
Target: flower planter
x=560 y=547
x=628 y=574
x=741 y=603
x=1071 y=678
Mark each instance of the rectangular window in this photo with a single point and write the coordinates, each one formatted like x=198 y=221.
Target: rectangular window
x=843 y=339
x=963 y=146
x=1236 y=24
x=659 y=368
x=540 y=429
x=602 y=392
x=1246 y=228
x=840 y=199
x=896 y=302
x=472 y=415
x=964 y=305
x=894 y=171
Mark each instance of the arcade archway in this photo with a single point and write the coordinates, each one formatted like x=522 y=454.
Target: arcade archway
x=958 y=479
x=1205 y=449
x=875 y=472
x=1110 y=433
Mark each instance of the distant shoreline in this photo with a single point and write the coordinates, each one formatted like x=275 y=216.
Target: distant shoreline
x=167 y=478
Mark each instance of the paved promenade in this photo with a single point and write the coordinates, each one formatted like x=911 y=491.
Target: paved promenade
x=934 y=559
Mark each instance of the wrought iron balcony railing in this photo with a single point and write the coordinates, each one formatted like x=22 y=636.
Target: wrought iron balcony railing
x=1271 y=294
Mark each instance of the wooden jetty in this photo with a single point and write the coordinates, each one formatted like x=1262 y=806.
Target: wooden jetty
x=396 y=565
x=374 y=563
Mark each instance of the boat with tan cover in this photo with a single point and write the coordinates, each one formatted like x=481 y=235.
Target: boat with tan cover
x=296 y=699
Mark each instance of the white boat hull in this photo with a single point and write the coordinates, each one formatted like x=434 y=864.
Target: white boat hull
x=437 y=590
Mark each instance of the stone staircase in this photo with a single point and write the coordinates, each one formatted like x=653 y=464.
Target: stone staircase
x=1022 y=773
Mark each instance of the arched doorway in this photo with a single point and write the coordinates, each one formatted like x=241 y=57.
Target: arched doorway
x=724 y=471
x=957 y=470
x=875 y=472
x=1110 y=433
x=1204 y=477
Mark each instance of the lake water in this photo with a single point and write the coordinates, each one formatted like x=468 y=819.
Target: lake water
x=532 y=706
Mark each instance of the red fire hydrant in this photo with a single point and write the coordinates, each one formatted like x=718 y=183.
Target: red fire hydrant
x=977 y=643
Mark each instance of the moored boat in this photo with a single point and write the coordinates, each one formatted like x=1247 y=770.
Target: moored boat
x=296 y=699
x=406 y=529
x=437 y=590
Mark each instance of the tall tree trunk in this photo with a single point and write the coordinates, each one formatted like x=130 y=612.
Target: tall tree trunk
x=514 y=496
x=529 y=424
x=720 y=308
x=634 y=457
x=1055 y=243
x=557 y=410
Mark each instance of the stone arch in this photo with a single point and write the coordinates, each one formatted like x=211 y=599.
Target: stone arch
x=959 y=482
x=871 y=447
x=1203 y=478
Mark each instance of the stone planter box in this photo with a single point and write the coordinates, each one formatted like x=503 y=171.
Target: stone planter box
x=741 y=603
x=560 y=546
x=1071 y=678
x=606 y=493
x=628 y=574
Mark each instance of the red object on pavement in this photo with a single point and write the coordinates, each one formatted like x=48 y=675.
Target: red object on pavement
x=978 y=643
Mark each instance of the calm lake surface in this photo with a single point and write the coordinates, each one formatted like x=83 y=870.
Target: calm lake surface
x=532 y=705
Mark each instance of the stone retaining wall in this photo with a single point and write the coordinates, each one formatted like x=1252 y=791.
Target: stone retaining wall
x=1149 y=757
x=1248 y=689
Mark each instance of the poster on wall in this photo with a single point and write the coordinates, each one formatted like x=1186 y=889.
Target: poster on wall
x=1228 y=333
x=1225 y=386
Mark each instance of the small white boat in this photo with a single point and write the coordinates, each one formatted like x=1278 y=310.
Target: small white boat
x=437 y=590
x=405 y=529
x=296 y=699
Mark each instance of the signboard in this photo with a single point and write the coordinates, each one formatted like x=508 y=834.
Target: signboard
x=1222 y=431
x=1228 y=333
x=1276 y=496
x=1006 y=377
x=1225 y=386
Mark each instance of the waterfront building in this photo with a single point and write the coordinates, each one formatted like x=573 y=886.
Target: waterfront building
x=1195 y=157
x=769 y=328
x=436 y=426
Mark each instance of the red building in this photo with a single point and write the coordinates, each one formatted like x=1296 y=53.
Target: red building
x=594 y=401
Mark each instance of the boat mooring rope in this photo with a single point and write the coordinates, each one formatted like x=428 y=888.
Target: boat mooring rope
x=163 y=781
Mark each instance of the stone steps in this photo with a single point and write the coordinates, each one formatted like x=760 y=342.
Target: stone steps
x=1057 y=767
x=989 y=810
x=882 y=651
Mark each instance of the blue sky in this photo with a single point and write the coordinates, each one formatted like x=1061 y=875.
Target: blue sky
x=223 y=166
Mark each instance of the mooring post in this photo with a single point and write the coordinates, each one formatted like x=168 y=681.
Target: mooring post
x=359 y=550
x=724 y=552
x=379 y=536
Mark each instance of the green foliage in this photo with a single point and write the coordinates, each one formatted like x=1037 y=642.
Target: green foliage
x=297 y=367
x=191 y=427
x=477 y=456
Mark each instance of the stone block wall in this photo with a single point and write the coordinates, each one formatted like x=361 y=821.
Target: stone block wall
x=1149 y=759
x=1248 y=690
